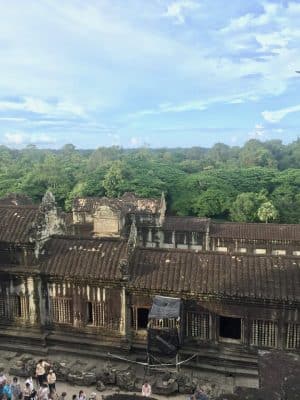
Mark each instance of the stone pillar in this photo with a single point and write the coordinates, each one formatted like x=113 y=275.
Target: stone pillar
x=173 y=239
x=31 y=301
x=123 y=321
x=207 y=239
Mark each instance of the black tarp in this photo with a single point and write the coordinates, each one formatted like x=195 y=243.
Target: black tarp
x=165 y=307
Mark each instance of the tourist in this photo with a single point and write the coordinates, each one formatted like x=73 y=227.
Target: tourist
x=51 y=379
x=53 y=395
x=63 y=396
x=16 y=390
x=30 y=382
x=146 y=389
x=2 y=378
x=81 y=395
x=43 y=392
x=27 y=391
x=41 y=371
x=93 y=396
x=5 y=391
x=200 y=395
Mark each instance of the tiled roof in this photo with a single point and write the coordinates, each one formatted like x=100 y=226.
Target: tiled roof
x=183 y=271
x=85 y=258
x=16 y=199
x=16 y=222
x=190 y=224
x=256 y=231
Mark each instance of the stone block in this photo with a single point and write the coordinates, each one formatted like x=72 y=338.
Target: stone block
x=100 y=386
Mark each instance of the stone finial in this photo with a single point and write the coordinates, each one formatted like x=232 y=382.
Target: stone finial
x=132 y=240
x=49 y=222
x=48 y=201
x=124 y=269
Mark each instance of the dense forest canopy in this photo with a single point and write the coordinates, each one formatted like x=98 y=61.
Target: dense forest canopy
x=257 y=182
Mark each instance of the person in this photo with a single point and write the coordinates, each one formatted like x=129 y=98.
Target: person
x=41 y=371
x=200 y=394
x=43 y=392
x=5 y=390
x=3 y=379
x=63 y=396
x=29 y=380
x=51 y=379
x=15 y=389
x=81 y=395
x=27 y=391
x=74 y=397
x=53 y=395
x=146 y=389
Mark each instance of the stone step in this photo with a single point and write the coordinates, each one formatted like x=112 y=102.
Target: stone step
x=22 y=348
x=77 y=352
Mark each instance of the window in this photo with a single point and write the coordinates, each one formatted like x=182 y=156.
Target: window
x=19 y=306
x=242 y=250
x=163 y=323
x=180 y=237
x=264 y=333
x=3 y=307
x=168 y=237
x=293 y=336
x=278 y=252
x=296 y=253
x=62 y=312
x=230 y=328
x=221 y=249
x=259 y=251
x=140 y=317
x=96 y=313
x=198 y=325
x=197 y=238
x=90 y=318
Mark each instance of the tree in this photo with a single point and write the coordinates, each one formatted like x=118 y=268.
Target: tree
x=114 y=181
x=212 y=203
x=255 y=154
x=267 y=212
x=244 y=208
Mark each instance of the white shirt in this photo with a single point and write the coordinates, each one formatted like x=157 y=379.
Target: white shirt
x=146 y=390
x=29 y=380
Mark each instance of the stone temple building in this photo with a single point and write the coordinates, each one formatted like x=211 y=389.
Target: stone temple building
x=84 y=282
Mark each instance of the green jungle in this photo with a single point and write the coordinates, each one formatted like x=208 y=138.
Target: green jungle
x=257 y=182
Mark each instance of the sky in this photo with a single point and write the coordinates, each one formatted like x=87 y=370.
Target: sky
x=158 y=73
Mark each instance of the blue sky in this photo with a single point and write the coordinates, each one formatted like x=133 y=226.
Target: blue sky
x=155 y=72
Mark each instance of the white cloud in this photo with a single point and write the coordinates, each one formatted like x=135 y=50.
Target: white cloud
x=18 y=139
x=258 y=132
x=195 y=105
x=14 y=138
x=39 y=106
x=178 y=10
x=115 y=139
x=135 y=141
x=236 y=101
x=278 y=115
